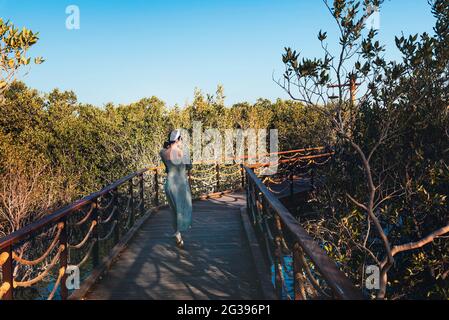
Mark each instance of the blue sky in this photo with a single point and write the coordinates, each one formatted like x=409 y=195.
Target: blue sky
x=127 y=50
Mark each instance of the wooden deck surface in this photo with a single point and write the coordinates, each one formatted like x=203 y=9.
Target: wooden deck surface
x=216 y=262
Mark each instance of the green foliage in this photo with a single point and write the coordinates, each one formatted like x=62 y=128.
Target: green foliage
x=401 y=127
x=79 y=148
x=14 y=44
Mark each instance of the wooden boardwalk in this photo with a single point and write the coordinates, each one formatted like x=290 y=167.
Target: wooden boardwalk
x=216 y=262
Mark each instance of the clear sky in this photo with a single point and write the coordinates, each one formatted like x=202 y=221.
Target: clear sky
x=127 y=50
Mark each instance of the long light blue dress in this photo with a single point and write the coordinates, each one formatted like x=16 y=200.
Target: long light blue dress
x=177 y=190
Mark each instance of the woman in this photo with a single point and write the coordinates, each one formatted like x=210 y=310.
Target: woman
x=176 y=186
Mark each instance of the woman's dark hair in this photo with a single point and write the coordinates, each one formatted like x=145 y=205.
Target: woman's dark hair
x=168 y=143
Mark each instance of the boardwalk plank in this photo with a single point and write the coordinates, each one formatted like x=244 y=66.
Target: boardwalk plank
x=215 y=264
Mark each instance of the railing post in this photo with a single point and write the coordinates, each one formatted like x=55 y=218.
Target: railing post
x=249 y=197
x=245 y=187
x=7 y=274
x=63 y=260
x=292 y=186
x=131 y=202
x=156 y=188
x=312 y=178
x=142 y=195
x=277 y=260
x=250 y=200
x=254 y=199
x=217 y=168
x=116 y=218
x=298 y=276
x=96 y=235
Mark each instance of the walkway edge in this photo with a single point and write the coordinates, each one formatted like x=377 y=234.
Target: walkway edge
x=109 y=260
x=266 y=286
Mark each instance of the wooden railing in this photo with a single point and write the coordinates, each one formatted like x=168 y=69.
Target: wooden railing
x=76 y=232
x=315 y=275
x=89 y=233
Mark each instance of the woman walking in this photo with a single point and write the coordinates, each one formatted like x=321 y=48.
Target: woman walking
x=176 y=186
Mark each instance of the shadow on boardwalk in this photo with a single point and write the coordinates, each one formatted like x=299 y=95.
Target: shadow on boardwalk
x=215 y=264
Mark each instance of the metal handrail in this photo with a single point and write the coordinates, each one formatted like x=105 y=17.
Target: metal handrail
x=259 y=198
x=55 y=217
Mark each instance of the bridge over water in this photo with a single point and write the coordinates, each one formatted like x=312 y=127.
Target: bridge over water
x=244 y=243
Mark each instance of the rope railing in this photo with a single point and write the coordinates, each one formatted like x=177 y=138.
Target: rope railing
x=45 y=255
x=315 y=275
x=110 y=217
x=85 y=231
x=42 y=275
x=107 y=206
x=85 y=218
x=57 y=283
x=87 y=255
x=109 y=234
x=86 y=238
